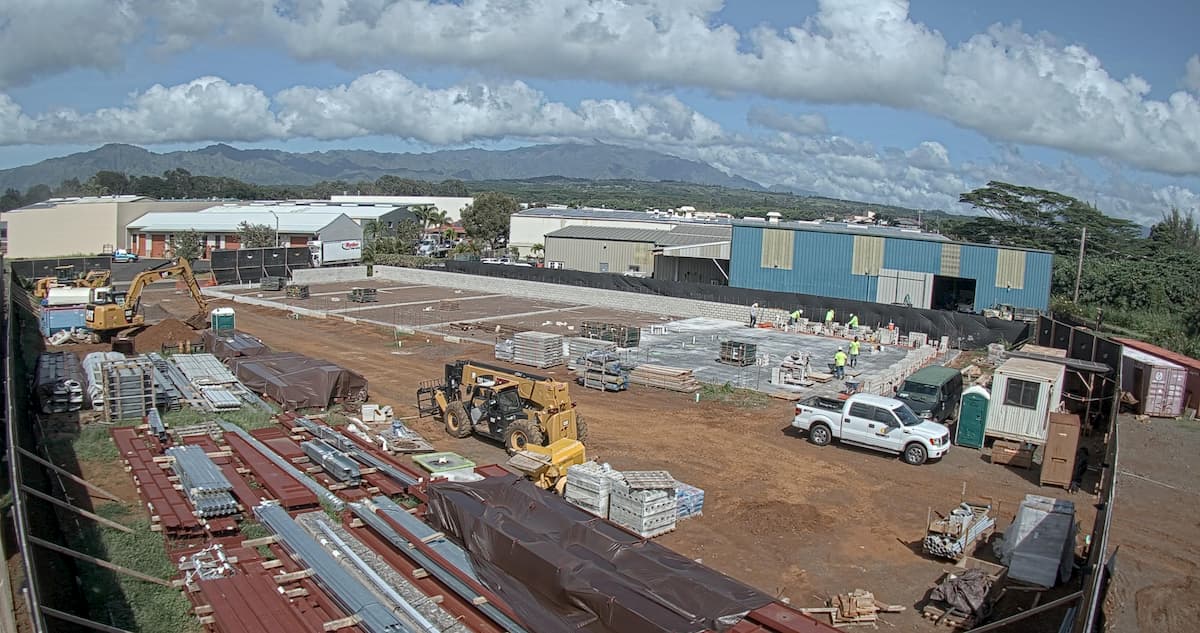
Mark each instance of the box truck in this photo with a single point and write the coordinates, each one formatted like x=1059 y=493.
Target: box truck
x=335 y=253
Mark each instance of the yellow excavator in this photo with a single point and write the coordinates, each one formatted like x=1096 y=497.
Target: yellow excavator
x=533 y=416
x=117 y=313
x=93 y=279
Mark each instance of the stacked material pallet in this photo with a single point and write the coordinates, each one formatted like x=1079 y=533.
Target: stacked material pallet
x=578 y=346
x=669 y=378
x=689 y=500
x=202 y=481
x=622 y=335
x=296 y=292
x=363 y=295
x=538 y=349
x=603 y=370
x=738 y=353
x=129 y=392
x=169 y=396
x=271 y=282
x=59 y=383
x=645 y=503
x=504 y=349
x=589 y=485
x=95 y=384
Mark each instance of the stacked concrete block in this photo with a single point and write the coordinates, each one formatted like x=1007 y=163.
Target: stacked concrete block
x=647 y=513
x=589 y=486
x=538 y=349
x=504 y=350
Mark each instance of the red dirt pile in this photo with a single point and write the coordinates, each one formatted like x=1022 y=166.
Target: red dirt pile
x=168 y=332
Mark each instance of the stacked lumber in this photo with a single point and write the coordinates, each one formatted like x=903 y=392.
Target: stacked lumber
x=857 y=608
x=538 y=349
x=670 y=378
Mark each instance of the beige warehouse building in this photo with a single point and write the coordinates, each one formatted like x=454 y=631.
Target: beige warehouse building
x=692 y=253
x=82 y=226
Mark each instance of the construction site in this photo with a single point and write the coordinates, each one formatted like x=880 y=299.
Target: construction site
x=333 y=452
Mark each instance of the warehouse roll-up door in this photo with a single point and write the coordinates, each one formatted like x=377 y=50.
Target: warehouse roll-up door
x=777 y=247
x=1010 y=269
x=868 y=255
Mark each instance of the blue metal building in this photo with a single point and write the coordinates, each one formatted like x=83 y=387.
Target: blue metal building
x=886 y=265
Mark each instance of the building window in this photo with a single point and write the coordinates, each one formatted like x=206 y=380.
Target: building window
x=1022 y=393
x=603 y=267
x=633 y=268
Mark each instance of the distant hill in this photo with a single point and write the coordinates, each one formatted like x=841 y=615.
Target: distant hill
x=597 y=161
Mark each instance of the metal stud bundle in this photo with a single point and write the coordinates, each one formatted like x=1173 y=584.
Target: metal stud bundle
x=538 y=349
x=59 y=382
x=203 y=482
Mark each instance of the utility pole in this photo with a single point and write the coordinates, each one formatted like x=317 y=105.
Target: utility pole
x=1079 y=268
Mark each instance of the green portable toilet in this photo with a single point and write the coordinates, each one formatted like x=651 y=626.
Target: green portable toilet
x=972 y=417
x=221 y=320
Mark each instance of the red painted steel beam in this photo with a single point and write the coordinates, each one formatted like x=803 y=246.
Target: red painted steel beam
x=291 y=494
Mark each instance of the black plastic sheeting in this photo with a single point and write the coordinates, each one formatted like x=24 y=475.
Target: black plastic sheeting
x=296 y=381
x=566 y=571
x=966 y=331
x=233 y=345
x=32 y=269
x=250 y=265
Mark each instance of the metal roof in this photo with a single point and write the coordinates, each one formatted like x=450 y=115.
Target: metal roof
x=206 y=222
x=1071 y=363
x=357 y=211
x=1028 y=367
x=616 y=214
x=1138 y=355
x=690 y=235
x=54 y=202
x=893 y=232
x=1160 y=352
x=611 y=233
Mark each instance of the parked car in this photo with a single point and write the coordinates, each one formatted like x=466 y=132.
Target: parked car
x=875 y=422
x=507 y=261
x=122 y=255
x=933 y=393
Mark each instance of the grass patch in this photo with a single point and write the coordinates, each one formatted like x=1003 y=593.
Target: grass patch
x=735 y=396
x=248 y=418
x=92 y=444
x=250 y=530
x=129 y=603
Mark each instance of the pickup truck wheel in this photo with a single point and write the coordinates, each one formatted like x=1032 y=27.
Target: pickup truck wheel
x=458 y=423
x=819 y=434
x=915 y=454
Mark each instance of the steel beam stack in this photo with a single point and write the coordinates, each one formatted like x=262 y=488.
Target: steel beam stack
x=338 y=464
x=129 y=390
x=169 y=397
x=538 y=349
x=203 y=482
x=589 y=485
x=322 y=493
x=344 y=444
x=347 y=591
x=203 y=370
x=59 y=383
x=603 y=370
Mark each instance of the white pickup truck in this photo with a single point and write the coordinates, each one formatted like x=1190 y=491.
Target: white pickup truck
x=883 y=424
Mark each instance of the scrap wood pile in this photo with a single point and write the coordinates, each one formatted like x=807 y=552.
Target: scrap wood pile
x=670 y=378
x=857 y=608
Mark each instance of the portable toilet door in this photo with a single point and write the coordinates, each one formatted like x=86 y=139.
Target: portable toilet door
x=972 y=417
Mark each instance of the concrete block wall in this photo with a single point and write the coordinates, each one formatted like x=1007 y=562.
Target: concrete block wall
x=329 y=275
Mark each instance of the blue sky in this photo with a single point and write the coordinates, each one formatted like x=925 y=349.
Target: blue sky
x=877 y=100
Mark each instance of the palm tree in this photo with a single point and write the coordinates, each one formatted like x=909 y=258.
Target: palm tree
x=438 y=218
x=422 y=213
x=537 y=250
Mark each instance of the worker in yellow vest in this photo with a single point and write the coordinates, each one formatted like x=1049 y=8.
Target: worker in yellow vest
x=794 y=316
x=829 y=318
x=839 y=364
x=853 y=324
x=855 y=346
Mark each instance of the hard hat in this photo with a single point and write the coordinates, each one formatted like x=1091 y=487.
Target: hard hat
x=839 y=348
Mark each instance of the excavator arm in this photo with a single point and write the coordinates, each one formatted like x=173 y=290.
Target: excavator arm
x=179 y=267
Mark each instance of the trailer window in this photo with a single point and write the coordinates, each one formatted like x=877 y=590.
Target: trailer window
x=1022 y=393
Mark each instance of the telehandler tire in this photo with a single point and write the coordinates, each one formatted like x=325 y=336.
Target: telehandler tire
x=521 y=433
x=458 y=423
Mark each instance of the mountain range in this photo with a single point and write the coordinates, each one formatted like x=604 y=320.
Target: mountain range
x=594 y=161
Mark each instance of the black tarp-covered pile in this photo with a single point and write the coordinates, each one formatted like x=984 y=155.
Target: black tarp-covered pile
x=565 y=570
x=297 y=381
x=232 y=345
x=966 y=331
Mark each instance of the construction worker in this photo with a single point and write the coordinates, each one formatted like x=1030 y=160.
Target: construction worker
x=839 y=364
x=794 y=317
x=853 y=324
x=855 y=345
x=829 y=318
x=754 y=314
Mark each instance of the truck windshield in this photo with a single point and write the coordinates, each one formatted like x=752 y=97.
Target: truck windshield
x=906 y=415
x=919 y=392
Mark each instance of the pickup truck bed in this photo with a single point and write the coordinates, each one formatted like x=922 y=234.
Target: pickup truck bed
x=824 y=403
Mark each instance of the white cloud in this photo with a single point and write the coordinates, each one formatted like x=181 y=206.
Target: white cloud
x=1191 y=77
x=389 y=104
x=804 y=124
x=205 y=109
x=45 y=37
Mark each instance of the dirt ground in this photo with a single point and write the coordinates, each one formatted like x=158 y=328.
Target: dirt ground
x=793 y=519
x=1156 y=518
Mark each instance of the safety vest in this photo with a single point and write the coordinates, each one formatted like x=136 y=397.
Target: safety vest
x=854 y=347
x=829 y=315
x=839 y=359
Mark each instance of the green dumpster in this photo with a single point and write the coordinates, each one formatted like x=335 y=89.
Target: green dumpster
x=972 y=417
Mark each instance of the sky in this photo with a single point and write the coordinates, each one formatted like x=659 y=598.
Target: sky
x=884 y=101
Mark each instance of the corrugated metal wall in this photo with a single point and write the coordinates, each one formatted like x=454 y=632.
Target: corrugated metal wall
x=689 y=269
x=826 y=263
x=598 y=256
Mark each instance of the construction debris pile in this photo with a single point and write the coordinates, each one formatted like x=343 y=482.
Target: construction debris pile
x=59 y=382
x=859 y=607
x=955 y=535
x=669 y=378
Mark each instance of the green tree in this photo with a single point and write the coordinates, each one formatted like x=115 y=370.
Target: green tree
x=487 y=218
x=257 y=235
x=10 y=200
x=537 y=250
x=187 y=245
x=1177 y=229
x=108 y=183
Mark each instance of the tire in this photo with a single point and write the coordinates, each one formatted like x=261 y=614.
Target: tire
x=915 y=454
x=521 y=433
x=820 y=435
x=458 y=423
x=581 y=429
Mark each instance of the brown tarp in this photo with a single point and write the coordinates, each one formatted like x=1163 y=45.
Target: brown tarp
x=233 y=345
x=297 y=381
x=565 y=570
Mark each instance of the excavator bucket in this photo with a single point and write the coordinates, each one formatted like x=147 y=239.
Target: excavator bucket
x=198 y=321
